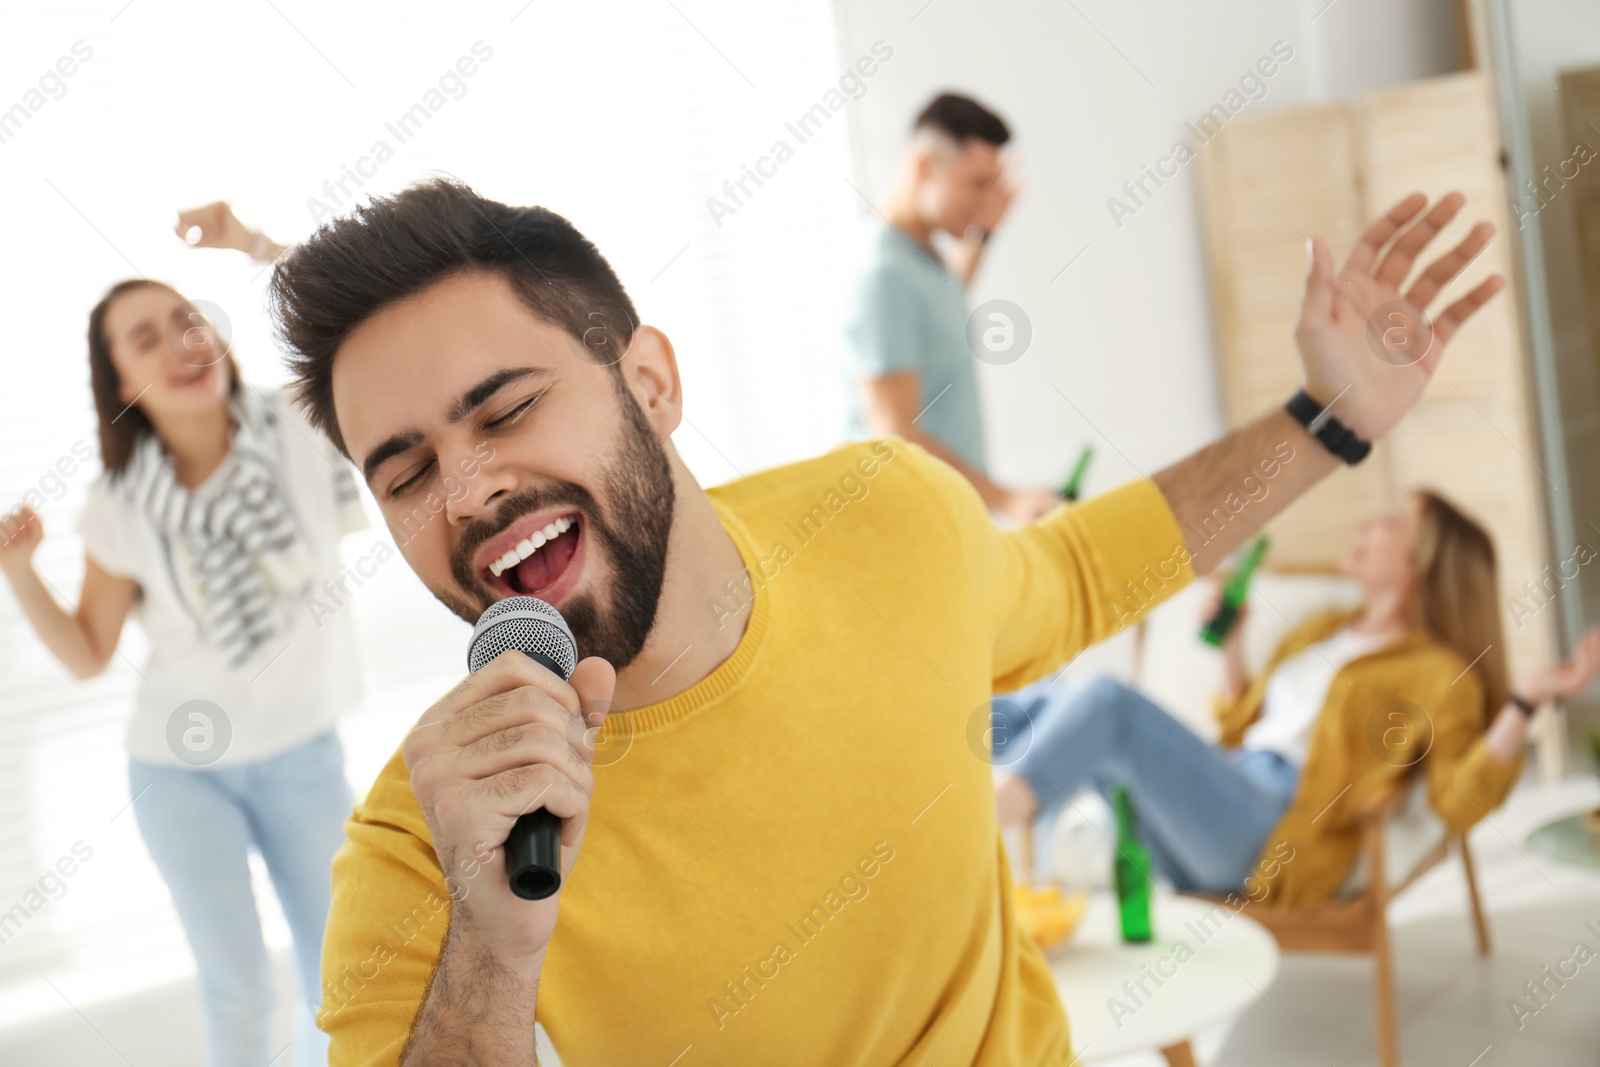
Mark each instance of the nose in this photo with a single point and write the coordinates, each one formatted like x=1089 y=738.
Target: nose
x=475 y=485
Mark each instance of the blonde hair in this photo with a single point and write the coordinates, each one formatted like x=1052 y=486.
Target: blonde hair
x=1457 y=591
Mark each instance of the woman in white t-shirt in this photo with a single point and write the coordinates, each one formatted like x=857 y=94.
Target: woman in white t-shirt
x=1413 y=678
x=218 y=514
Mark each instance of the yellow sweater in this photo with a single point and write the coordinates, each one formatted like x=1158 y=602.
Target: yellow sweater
x=797 y=860
x=1410 y=707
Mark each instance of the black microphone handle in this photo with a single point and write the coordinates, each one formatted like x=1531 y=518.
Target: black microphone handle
x=533 y=851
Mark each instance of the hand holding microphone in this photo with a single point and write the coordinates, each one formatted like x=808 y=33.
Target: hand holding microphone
x=512 y=744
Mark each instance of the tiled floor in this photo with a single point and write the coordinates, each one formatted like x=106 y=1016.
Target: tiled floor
x=1452 y=1005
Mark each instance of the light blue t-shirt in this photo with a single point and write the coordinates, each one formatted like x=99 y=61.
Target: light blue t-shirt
x=906 y=311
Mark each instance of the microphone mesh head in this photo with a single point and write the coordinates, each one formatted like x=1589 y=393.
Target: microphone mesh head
x=526 y=623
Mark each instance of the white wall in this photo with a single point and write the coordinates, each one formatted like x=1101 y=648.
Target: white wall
x=1093 y=90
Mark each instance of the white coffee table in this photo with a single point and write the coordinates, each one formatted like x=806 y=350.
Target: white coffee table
x=1211 y=962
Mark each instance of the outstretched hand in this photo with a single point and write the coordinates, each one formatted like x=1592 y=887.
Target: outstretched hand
x=1368 y=350
x=1569 y=677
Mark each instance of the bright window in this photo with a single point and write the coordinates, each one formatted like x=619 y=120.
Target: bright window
x=624 y=117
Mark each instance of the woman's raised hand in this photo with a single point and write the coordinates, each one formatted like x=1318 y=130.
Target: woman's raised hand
x=1563 y=679
x=213 y=226
x=20 y=533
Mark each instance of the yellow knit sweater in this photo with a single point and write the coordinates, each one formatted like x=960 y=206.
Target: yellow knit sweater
x=1410 y=707
x=796 y=860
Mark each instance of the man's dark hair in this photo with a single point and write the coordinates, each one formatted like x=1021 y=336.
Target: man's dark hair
x=396 y=246
x=962 y=119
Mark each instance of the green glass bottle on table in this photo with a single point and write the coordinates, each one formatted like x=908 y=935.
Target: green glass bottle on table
x=1215 y=631
x=1074 y=484
x=1131 y=871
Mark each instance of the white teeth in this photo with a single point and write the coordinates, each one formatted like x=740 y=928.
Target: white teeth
x=528 y=546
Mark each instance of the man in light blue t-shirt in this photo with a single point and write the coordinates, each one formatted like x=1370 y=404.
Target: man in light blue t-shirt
x=910 y=368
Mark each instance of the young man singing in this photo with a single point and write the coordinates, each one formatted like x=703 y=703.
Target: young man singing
x=789 y=846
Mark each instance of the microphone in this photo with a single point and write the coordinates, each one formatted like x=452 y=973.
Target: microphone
x=537 y=630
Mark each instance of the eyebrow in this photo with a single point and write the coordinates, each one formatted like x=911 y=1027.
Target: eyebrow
x=475 y=397
x=390 y=448
x=469 y=402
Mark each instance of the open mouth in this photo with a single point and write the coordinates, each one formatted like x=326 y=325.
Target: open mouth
x=537 y=561
x=191 y=375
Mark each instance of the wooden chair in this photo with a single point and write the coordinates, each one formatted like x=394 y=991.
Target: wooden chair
x=1355 y=922
x=1359 y=923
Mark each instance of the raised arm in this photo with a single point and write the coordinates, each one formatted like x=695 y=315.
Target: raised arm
x=1509 y=727
x=1342 y=373
x=82 y=639
x=219 y=227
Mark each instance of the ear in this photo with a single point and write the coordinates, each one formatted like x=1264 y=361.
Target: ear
x=651 y=370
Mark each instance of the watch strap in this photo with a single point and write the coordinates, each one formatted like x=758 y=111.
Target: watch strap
x=1335 y=436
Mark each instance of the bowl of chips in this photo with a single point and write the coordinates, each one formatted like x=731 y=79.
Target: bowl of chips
x=1049 y=912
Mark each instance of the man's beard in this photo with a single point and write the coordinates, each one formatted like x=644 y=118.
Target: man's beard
x=639 y=495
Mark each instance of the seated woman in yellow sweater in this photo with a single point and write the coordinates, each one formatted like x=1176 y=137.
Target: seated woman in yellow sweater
x=1350 y=700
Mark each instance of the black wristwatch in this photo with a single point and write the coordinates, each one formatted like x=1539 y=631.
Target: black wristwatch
x=1335 y=436
x=1524 y=705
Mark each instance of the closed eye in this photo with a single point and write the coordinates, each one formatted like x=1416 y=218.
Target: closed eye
x=516 y=412
x=411 y=482
x=509 y=418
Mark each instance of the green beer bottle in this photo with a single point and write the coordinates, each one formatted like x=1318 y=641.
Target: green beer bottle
x=1215 y=631
x=1131 y=870
x=1074 y=484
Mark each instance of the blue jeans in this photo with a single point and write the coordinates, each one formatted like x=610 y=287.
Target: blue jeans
x=1204 y=812
x=199 y=826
